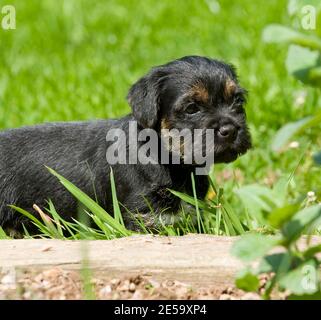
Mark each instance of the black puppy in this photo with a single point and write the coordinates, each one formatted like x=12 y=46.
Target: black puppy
x=192 y=92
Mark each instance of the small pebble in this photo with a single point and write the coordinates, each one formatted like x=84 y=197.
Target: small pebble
x=8 y=279
x=115 y=282
x=132 y=287
x=251 y=296
x=137 y=295
x=106 y=290
x=124 y=286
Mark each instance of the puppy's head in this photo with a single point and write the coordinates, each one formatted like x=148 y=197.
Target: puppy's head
x=194 y=93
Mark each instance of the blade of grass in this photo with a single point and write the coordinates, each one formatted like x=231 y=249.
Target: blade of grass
x=3 y=235
x=218 y=221
x=117 y=213
x=52 y=229
x=56 y=217
x=199 y=218
x=91 y=204
x=234 y=218
x=34 y=220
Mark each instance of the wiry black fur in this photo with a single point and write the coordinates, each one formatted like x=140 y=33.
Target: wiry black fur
x=77 y=150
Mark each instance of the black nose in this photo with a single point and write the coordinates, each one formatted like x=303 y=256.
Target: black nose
x=227 y=132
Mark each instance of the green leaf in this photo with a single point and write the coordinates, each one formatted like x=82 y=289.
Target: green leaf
x=280 y=216
x=312 y=251
x=253 y=246
x=280 y=191
x=273 y=262
x=293 y=229
x=301 y=62
x=256 y=199
x=284 y=135
x=317 y=158
x=247 y=281
x=302 y=280
x=276 y=33
x=315 y=76
x=314 y=296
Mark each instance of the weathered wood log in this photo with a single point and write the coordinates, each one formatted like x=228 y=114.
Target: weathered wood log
x=194 y=259
x=198 y=260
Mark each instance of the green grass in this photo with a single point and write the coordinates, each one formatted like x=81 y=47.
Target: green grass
x=262 y=211
x=76 y=59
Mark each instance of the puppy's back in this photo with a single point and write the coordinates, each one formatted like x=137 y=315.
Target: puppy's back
x=71 y=148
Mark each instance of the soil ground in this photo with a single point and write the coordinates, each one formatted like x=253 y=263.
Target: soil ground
x=60 y=284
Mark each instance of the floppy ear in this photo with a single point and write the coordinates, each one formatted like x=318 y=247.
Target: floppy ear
x=144 y=98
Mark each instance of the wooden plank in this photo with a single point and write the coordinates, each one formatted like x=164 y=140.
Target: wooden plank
x=199 y=260
x=193 y=259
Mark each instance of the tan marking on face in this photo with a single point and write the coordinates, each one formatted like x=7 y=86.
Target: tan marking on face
x=172 y=141
x=165 y=124
x=200 y=93
x=230 y=87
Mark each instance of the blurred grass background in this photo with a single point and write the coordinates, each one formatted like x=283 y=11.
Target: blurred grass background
x=76 y=59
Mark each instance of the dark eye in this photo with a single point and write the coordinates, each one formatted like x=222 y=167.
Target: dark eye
x=192 y=108
x=239 y=99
